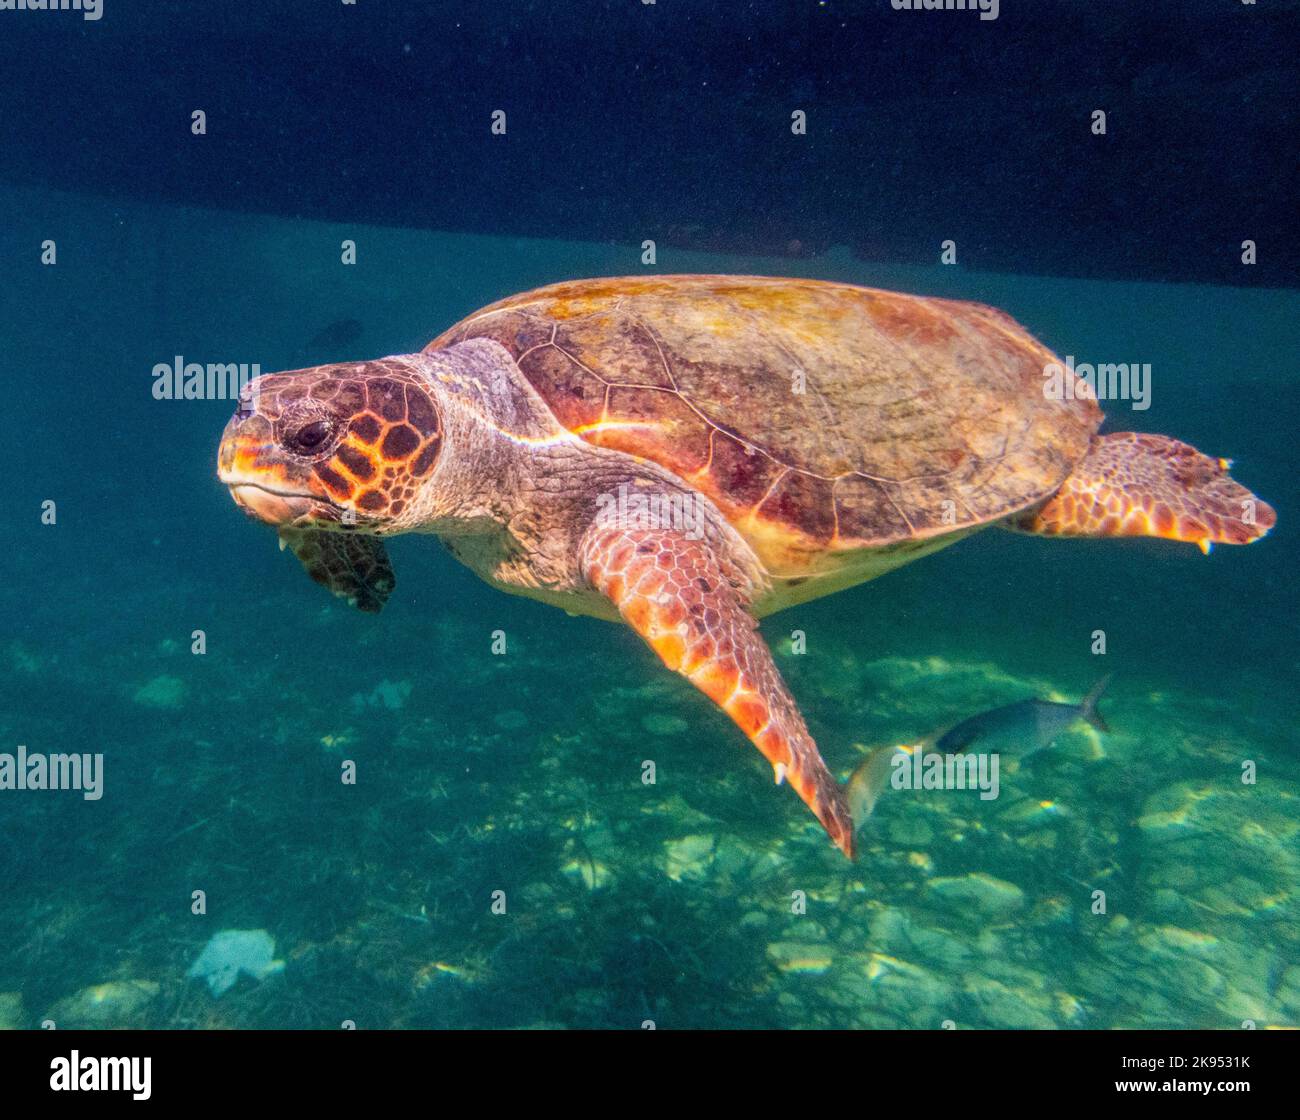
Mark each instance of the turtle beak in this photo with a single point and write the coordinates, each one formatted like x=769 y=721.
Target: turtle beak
x=263 y=483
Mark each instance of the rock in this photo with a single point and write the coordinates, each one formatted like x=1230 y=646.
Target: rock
x=910 y=831
x=538 y=894
x=890 y=930
x=689 y=857
x=591 y=873
x=941 y=949
x=104 y=1005
x=1217 y=859
x=1053 y=911
x=807 y=930
x=1239 y=1005
x=589 y=860
x=1030 y=814
x=977 y=895
x=1070 y=1008
x=921 y=861
x=1169 y=903
x=1007 y=1007
x=386 y=694
x=163 y=692
x=13 y=1017
x=800 y=956
x=1288 y=992
x=657 y=723
x=732 y=856
x=676 y=809
x=912 y=995
x=1172 y=939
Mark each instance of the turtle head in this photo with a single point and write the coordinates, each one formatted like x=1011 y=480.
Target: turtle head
x=335 y=446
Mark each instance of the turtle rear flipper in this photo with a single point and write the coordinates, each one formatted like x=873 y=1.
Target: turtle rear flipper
x=1131 y=484
x=354 y=567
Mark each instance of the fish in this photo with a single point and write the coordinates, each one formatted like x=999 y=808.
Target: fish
x=1028 y=724
x=1023 y=728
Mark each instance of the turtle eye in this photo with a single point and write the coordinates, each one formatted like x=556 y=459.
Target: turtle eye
x=310 y=436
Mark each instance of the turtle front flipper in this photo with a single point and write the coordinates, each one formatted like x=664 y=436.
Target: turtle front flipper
x=674 y=593
x=353 y=566
x=1131 y=484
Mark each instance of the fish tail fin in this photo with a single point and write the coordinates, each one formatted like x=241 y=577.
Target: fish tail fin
x=1088 y=709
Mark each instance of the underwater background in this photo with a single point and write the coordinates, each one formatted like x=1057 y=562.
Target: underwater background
x=709 y=899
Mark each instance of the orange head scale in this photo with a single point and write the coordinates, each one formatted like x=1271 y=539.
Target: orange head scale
x=333 y=447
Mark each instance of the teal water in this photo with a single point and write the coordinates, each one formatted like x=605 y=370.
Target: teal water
x=708 y=899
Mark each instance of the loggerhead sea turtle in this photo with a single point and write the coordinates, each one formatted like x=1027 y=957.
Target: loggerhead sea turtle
x=691 y=453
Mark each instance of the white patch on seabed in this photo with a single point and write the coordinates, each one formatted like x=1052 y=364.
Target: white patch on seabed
x=232 y=952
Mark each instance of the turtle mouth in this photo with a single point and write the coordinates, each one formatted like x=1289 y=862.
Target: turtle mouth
x=280 y=507
x=272 y=506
